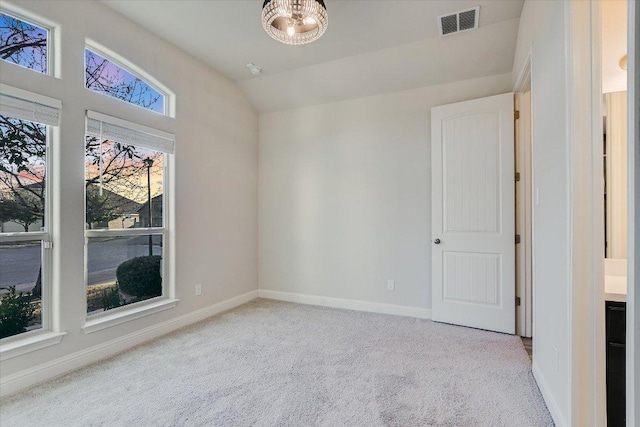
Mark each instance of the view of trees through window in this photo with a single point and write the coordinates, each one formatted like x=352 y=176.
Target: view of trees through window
x=109 y=79
x=23 y=150
x=23 y=43
x=22 y=209
x=124 y=191
x=120 y=180
x=23 y=147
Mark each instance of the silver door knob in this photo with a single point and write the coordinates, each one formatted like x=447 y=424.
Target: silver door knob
x=437 y=241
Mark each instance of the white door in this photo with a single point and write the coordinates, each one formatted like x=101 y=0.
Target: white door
x=473 y=230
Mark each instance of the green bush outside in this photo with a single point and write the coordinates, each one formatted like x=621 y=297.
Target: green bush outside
x=111 y=298
x=140 y=277
x=16 y=311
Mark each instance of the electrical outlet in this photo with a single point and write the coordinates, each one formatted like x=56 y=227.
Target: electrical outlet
x=391 y=285
x=198 y=289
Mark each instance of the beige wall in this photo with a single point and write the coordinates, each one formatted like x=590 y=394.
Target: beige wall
x=617 y=175
x=216 y=164
x=542 y=34
x=345 y=194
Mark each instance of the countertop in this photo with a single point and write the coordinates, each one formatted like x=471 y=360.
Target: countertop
x=615 y=288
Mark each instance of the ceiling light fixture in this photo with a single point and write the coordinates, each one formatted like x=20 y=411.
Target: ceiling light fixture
x=294 y=21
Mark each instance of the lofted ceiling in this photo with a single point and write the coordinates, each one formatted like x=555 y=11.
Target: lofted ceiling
x=370 y=47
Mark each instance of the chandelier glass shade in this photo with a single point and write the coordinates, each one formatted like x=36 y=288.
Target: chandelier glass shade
x=294 y=22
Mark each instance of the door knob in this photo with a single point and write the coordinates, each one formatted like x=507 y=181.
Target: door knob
x=437 y=241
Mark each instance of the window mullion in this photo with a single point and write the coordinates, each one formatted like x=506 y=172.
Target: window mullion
x=124 y=232
x=24 y=237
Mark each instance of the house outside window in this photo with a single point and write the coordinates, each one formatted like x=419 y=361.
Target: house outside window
x=126 y=230
x=26 y=145
x=25 y=214
x=126 y=171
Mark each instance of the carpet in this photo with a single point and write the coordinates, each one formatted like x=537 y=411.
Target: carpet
x=270 y=363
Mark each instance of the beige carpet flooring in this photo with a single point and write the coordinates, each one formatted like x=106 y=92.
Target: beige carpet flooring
x=271 y=363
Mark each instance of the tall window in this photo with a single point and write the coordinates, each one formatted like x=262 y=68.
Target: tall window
x=106 y=77
x=125 y=195
x=125 y=191
x=126 y=175
x=24 y=212
x=24 y=43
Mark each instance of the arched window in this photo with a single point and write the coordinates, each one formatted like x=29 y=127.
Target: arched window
x=126 y=208
x=108 y=75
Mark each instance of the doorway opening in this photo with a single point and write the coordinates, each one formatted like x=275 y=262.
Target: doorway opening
x=613 y=60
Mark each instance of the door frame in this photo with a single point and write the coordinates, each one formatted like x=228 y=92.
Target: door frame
x=586 y=215
x=524 y=207
x=633 y=266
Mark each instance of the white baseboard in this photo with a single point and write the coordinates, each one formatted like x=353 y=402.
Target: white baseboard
x=54 y=368
x=349 y=304
x=552 y=405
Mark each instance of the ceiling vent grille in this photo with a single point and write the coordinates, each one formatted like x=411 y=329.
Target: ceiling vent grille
x=458 y=22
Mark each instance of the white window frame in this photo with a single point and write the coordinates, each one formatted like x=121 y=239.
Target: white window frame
x=99 y=321
x=53 y=58
x=45 y=336
x=169 y=98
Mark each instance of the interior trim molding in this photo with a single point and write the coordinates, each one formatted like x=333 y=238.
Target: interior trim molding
x=552 y=405
x=633 y=266
x=60 y=366
x=32 y=343
x=348 y=304
x=585 y=169
x=113 y=319
x=524 y=76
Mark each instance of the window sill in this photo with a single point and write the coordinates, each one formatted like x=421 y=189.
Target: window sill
x=29 y=344
x=110 y=320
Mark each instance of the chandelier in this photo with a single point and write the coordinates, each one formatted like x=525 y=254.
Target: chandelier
x=294 y=21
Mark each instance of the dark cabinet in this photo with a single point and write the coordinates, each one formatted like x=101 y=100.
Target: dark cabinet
x=616 y=363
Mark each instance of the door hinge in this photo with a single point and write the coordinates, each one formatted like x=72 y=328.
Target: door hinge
x=518 y=302
x=516 y=115
x=517 y=176
x=517 y=238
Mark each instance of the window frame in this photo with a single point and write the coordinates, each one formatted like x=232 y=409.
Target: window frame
x=52 y=57
x=46 y=236
x=168 y=107
x=51 y=333
x=115 y=316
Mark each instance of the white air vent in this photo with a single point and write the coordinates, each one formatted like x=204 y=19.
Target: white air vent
x=458 y=22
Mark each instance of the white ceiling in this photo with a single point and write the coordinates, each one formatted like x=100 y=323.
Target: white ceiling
x=370 y=46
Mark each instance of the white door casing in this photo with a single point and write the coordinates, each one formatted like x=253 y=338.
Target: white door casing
x=524 y=214
x=473 y=218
